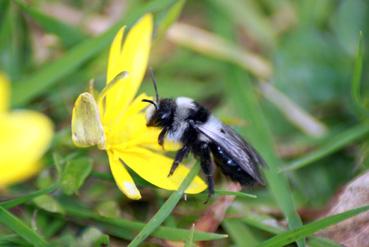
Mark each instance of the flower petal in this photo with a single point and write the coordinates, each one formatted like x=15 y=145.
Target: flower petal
x=86 y=125
x=154 y=168
x=130 y=128
x=132 y=57
x=25 y=136
x=115 y=56
x=4 y=93
x=122 y=178
x=136 y=107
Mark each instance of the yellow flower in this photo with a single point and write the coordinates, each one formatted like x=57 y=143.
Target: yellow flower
x=24 y=138
x=116 y=123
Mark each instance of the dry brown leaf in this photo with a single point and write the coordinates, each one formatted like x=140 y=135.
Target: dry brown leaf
x=353 y=232
x=214 y=215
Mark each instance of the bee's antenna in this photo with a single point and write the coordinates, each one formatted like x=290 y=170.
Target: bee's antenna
x=154 y=82
x=151 y=102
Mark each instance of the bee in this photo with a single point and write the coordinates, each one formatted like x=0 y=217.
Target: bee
x=184 y=121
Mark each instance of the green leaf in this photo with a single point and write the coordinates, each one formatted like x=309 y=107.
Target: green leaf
x=165 y=209
x=48 y=203
x=93 y=237
x=74 y=174
x=333 y=144
x=45 y=179
x=31 y=86
x=25 y=198
x=24 y=231
x=108 y=208
x=308 y=229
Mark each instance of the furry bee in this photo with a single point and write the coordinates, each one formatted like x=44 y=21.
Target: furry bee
x=184 y=121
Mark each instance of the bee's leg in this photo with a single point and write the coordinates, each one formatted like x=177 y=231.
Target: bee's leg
x=162 y=136
x=181 y=154
x=207 y=167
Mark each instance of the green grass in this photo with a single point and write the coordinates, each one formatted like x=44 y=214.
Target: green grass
x=311 y=54
x=165 y=210
x=21 y=229
x=293 y=235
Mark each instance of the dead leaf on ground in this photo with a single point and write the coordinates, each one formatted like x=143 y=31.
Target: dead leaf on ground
x=353 y=232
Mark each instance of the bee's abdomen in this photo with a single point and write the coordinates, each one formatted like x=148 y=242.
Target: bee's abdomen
x=229 y=166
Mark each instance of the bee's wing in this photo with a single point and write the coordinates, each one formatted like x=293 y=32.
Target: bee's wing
x=242 y=152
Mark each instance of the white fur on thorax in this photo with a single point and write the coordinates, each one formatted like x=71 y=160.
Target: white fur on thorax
x=212 y=125
x=183 y=107
x=185 y=103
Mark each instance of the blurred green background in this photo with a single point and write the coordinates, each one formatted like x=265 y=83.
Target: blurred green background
x=280 y=72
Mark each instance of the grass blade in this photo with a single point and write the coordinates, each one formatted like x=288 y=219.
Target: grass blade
x=68 y=34
x=12 y=240
x=356 y=77
x=25 y=198
x=260 y=136
x=259 y=223
x=335 y=143
x=234 y=193
x=20 y=228
x=33 y=85
x=239 y=233
x=249 y=16
x=14 y=42
x=308 y=229
x=166 y=209
x=322 y=242
x=170 y=16
x=244 y=99
x=189 y=241
x=126 y=228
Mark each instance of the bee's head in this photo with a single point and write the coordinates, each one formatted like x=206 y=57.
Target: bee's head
x=160 y=112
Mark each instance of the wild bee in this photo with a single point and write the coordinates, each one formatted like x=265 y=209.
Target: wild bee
x=185 y=121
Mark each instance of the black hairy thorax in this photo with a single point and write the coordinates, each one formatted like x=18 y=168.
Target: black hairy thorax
x=166 y=111
x=198 y=115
